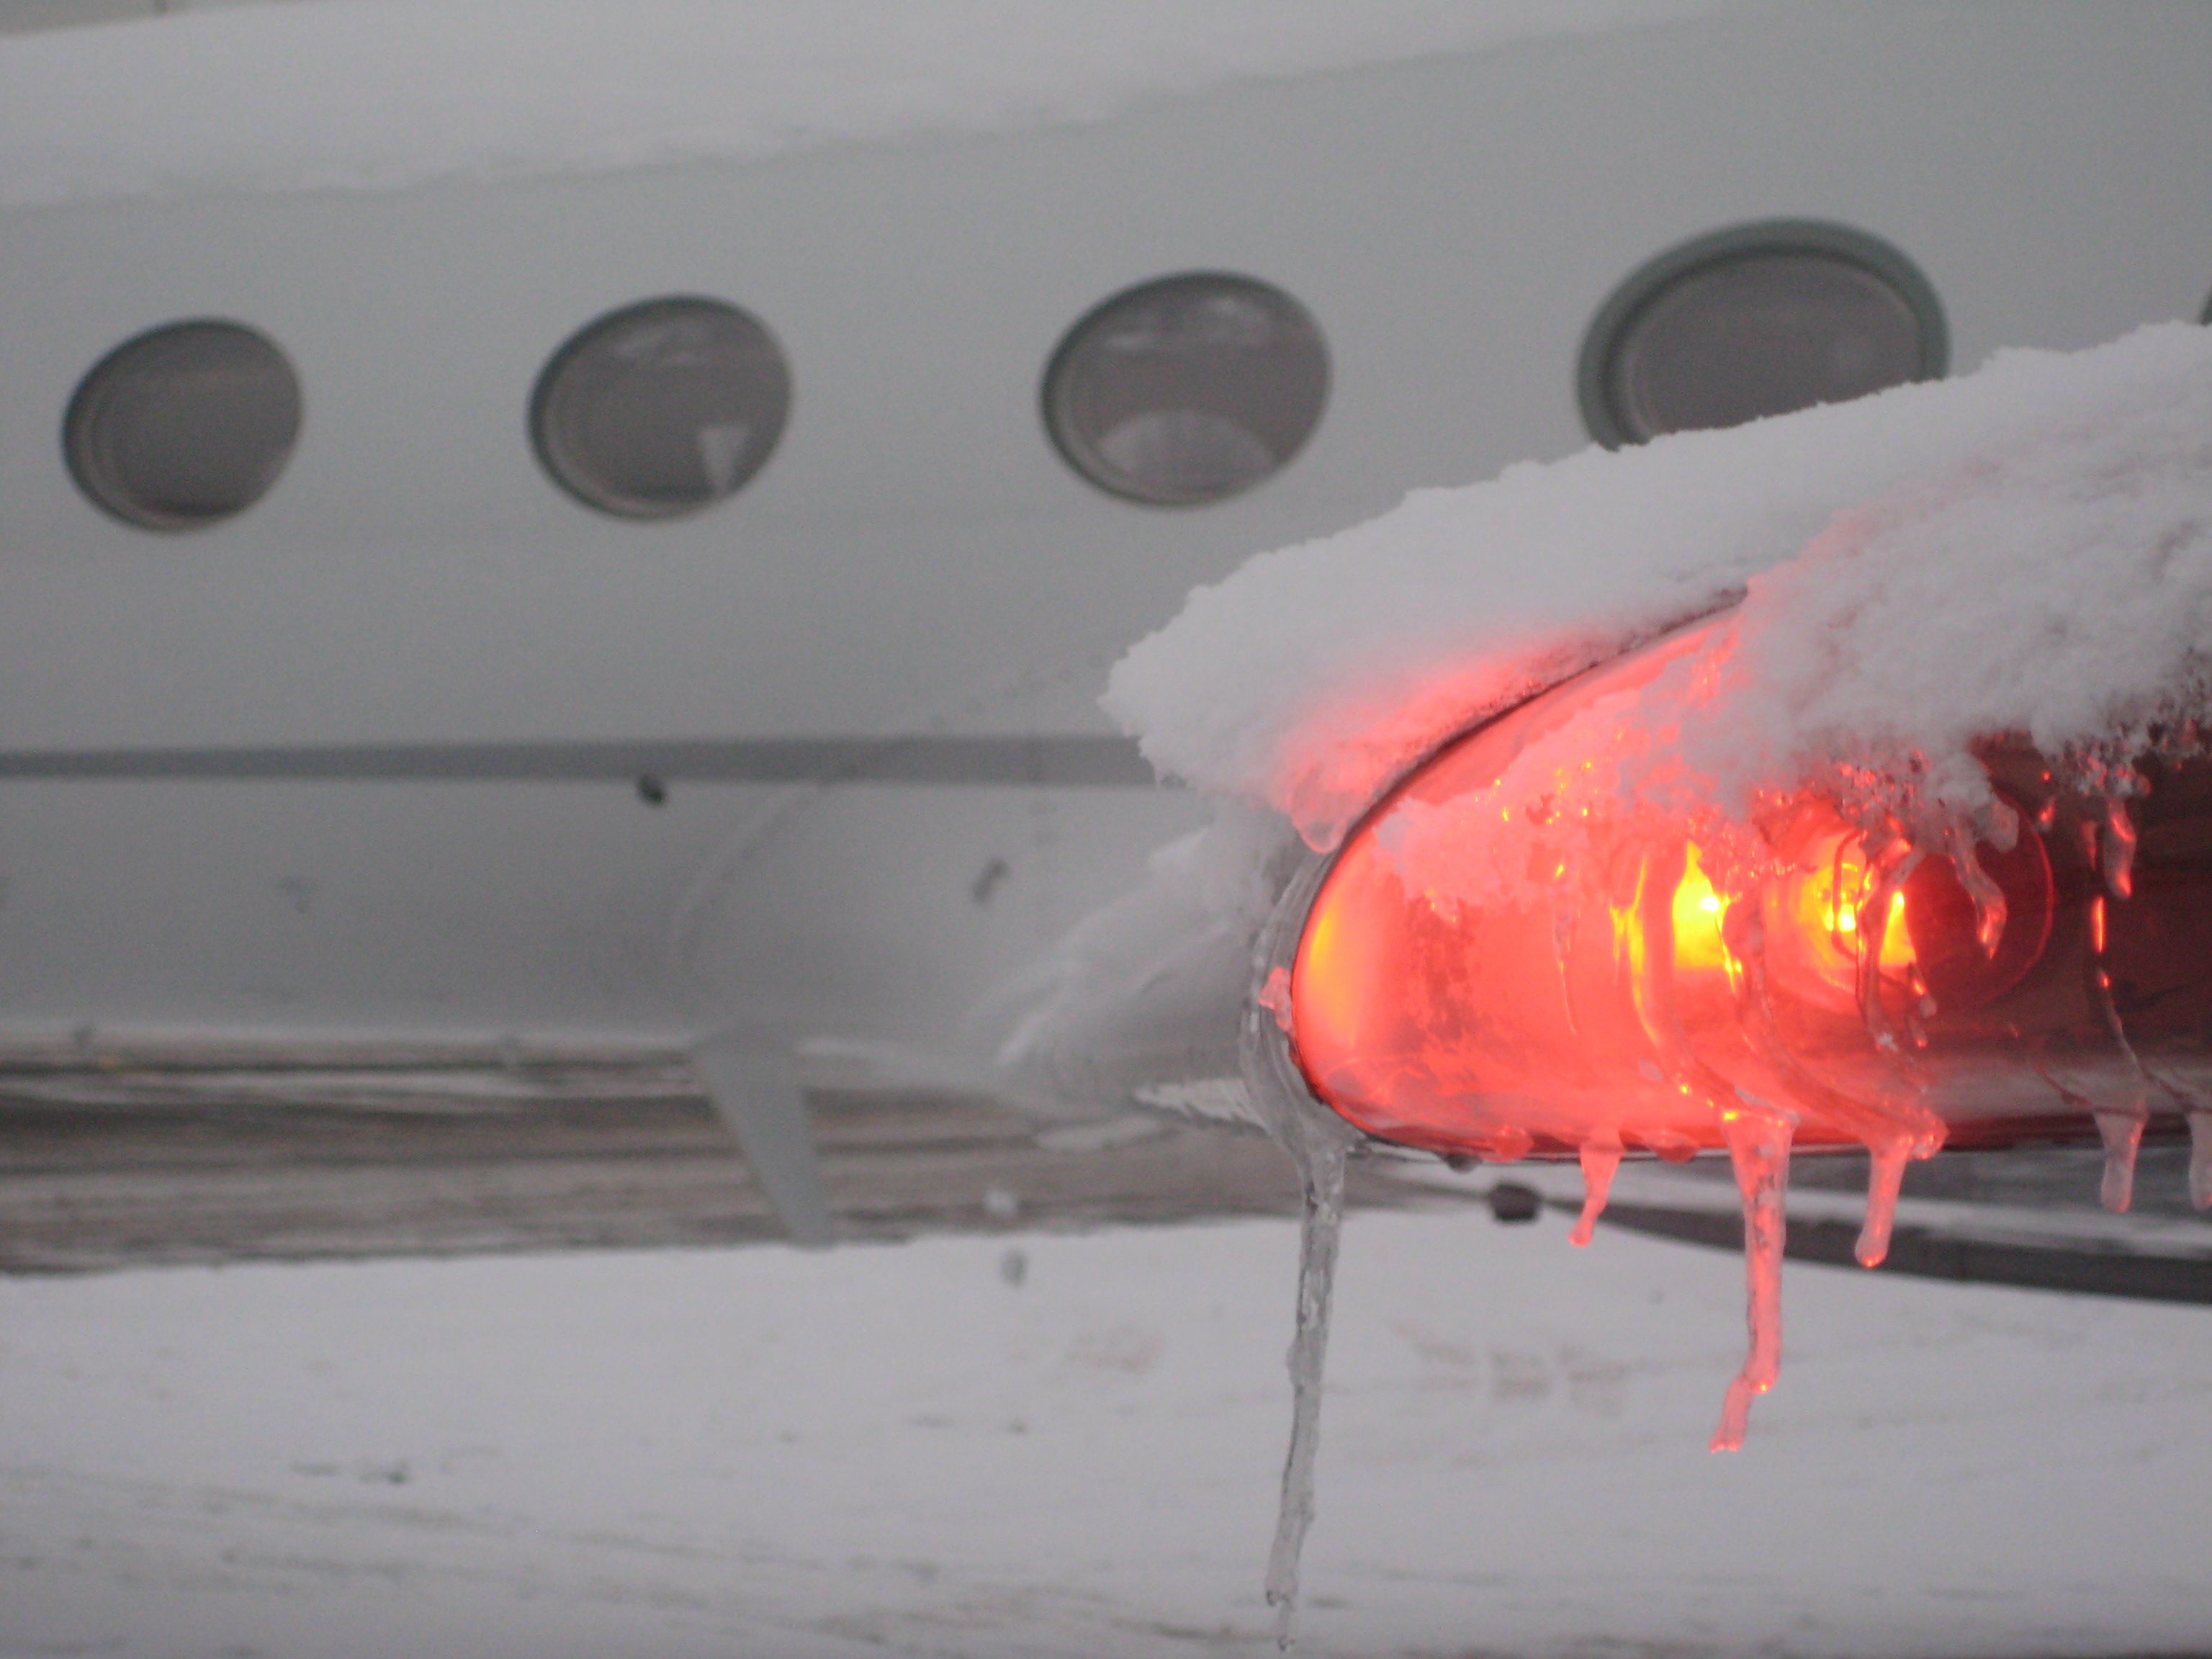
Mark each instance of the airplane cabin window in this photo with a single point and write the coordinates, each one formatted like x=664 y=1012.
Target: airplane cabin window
x=1187 y=390
x=661 y=408
x=1760 y=320
x=183 y=426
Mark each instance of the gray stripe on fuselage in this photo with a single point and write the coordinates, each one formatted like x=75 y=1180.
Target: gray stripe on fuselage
x=1048 y=761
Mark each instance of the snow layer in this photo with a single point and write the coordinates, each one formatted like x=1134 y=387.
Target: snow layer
x=2026 y=550
x=892 y=1450
x=379 y=94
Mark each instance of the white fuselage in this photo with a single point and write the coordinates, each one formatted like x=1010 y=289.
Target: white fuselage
x=916 y=560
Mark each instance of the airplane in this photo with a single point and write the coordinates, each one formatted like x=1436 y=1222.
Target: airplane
x=532 y=528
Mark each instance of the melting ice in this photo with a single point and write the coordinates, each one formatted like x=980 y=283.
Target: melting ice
x=1318 y=1149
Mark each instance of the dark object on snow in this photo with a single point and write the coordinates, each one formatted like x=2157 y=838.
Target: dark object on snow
x=1511 y=1204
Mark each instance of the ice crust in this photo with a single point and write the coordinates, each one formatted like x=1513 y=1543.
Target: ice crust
x=374 y=94
x=2026 y=550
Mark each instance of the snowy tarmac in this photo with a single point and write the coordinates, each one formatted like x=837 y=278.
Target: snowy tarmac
x=917 y=1449
x=145 y=1168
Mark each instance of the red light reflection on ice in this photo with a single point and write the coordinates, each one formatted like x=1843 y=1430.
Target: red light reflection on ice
x=1623 y=987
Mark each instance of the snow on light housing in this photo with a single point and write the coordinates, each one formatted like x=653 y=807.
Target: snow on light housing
x=1643 y=992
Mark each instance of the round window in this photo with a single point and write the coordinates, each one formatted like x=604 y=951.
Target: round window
x=183 y=426
x=1760 y=320
x=1187 y=390
x=661 y=408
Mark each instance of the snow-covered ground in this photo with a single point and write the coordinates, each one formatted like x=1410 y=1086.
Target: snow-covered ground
x=897 y=1449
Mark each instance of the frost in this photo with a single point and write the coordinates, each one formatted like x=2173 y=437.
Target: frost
x=1141 y=999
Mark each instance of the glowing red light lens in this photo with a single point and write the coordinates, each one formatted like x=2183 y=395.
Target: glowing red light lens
x=1632 y=990
x=1517 y=954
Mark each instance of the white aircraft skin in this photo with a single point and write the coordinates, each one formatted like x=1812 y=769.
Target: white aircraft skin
x=915 y=560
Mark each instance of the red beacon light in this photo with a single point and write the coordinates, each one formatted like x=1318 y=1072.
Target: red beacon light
x=1476 y=977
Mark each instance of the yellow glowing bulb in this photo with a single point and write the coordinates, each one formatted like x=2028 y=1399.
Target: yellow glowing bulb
x=1697 y=918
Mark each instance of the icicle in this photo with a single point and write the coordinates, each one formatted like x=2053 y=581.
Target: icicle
x=1920 y=1006
x=2002 y=822
x=2122 y=1132
x=2200 y=1159
x=1601 y=1158
x=2197 y=1112
x=1886 y=873
x=1897 y=1129
x=1648 y=947
x=2119 y=1125
x=1885 y=1178
x=2117 y=845
x=1758 y=1146
x=1990 y=910
x=1319 y=1152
